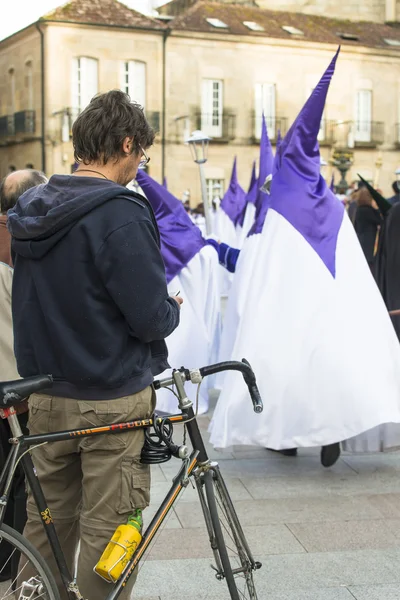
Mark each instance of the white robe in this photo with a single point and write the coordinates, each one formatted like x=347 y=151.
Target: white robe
x=248 y=221
x=225 y=231
x=236 y=306
x=324 y=351
x=195 y=342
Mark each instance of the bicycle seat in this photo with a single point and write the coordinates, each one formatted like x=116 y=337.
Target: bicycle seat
x=13 y=392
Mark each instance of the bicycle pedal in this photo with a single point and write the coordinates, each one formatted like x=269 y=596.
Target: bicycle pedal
x=257 y=565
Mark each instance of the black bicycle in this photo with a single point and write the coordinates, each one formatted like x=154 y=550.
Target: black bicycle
x=234 y=562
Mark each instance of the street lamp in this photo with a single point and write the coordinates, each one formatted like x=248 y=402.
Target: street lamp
x=343 y=161
x=198 y=143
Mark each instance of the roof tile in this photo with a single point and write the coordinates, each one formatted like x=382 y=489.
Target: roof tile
x=102 y=12
x=315 y=28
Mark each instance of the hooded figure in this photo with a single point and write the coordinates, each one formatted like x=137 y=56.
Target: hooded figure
x=191 y=267
x=227 y=223
x=248 y=256
x=311 y=355
x=246 y=219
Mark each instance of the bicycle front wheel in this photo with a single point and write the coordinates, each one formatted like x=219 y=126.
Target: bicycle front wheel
x=236 y=561
x=23 y=572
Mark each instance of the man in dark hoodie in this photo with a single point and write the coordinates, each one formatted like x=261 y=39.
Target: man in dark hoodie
x=91 y=307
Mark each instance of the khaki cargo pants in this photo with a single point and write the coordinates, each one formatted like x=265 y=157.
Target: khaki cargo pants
x=91 y=484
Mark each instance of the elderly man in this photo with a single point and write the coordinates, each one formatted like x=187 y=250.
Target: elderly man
x=11 y=187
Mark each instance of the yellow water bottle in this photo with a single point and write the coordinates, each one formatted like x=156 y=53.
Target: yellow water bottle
x=120 y=548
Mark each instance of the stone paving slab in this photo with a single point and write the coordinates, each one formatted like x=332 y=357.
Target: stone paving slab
x=277 y=467
x=345 y=535
x=376 y=592
x=387 y=504
x=321 y=484
x=194 y=543
x=324 y=594
x=371 y=463
x=289 y=510
x=236 y=488
x=283 y=573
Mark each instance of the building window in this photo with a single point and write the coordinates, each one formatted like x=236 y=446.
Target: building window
x=85 y=82
x=11 y=87
x=133 y=80
x=363 y=116
x=29 y=84
x=265 y=102
x=211 y=107
x=11 y=102
x=215 y=189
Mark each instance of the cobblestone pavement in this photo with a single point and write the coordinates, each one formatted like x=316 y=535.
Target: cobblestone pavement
x=321 y=534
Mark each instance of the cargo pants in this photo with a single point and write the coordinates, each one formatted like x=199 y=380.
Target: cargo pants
x=91 y=484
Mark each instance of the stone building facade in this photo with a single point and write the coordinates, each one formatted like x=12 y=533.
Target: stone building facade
x=211 y=65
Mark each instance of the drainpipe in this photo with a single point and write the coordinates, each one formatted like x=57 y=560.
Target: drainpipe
x=164 y=93
x=42 y=96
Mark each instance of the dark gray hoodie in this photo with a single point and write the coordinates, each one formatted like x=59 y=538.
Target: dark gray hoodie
x=90 y=300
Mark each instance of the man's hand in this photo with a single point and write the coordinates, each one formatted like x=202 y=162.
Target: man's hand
x=178 y=299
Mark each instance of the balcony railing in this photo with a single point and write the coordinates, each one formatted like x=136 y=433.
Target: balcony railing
x=221 y=127
x=274 y=124
x=397 y=135
x=326 y=136
x=153 y=118
x=25 y=121
x=7 y=126
x=359 y=134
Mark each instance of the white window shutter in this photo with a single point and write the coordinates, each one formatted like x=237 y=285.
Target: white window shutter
x=212 y=107
x=269 y=107
x=206 y=106
x=139 y=82
x=89 y=85
x=123 y=76
x=265 y=103
x=75 y=104
x=363 y=116
x=258 y=109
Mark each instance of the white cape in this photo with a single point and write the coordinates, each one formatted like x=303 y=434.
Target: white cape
x=195 y=342
x=226 y=232
x=236 y=306
x=248 y=221
x=323 y=348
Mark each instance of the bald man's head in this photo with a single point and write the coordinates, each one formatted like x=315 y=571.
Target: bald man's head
x=16 y=183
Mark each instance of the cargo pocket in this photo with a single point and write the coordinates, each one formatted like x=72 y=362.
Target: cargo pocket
x=39 y=414
x=134 y=486
x=99 y=414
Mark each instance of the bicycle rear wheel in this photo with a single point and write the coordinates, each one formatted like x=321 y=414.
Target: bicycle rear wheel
x=236 y=564
x=23 y=572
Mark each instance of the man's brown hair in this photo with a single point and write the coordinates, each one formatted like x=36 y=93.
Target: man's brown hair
x=100 y=129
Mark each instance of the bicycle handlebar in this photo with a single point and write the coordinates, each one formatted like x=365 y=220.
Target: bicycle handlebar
x=243 y=366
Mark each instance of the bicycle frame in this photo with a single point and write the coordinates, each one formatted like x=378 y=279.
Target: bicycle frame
x=20 y=454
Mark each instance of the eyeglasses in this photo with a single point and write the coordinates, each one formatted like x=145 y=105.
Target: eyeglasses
x=145 y=159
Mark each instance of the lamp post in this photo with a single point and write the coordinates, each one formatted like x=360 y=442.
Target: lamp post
x=198 y=143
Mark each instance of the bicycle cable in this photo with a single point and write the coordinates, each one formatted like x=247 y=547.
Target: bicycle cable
x=158 y=447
